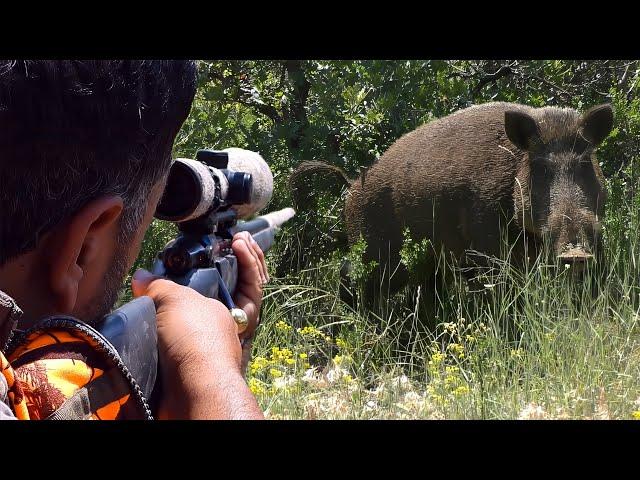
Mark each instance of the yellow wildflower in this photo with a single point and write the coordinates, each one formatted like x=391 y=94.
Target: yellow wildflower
x=258 y=364
x=309 y=331
x=256 y=387
x=457 y=349
x=437 y=358
x=451 y=369
x=517 y=352
x=461 y=390
x=284 y=326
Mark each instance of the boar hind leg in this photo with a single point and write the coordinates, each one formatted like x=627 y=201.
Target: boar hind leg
x=347 y=289
x=371 y=291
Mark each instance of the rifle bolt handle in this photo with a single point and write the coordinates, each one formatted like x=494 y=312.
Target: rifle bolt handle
x=240 y=317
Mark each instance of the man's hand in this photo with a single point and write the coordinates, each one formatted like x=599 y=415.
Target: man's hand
x=252 y=275
x=199 y=351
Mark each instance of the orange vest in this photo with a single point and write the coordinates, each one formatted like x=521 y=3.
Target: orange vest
x=62 y=369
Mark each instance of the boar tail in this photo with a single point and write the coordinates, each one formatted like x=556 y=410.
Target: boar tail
x=301 y=189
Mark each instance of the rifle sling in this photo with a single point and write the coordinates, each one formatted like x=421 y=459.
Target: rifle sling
x=93 y=396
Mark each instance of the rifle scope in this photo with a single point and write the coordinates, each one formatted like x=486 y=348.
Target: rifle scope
x=216 y=180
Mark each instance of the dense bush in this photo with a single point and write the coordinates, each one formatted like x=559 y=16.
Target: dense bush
x=349 y=112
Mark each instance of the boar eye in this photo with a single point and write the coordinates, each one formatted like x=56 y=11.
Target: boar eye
x=541 y=169
x=586 y=157
x=543 y=164
x=585 y=163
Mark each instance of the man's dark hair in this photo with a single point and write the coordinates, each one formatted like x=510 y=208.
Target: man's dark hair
x=71 y=131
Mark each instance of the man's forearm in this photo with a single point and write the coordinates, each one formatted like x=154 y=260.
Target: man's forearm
x=226 y=397
x=209 y=391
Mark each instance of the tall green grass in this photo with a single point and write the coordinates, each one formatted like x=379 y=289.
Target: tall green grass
x=533 y=342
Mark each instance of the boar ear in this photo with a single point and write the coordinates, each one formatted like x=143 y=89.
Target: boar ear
x=596 y=123
x=521 y=129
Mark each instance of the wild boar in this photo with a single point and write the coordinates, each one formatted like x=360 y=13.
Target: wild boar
x=465 y=179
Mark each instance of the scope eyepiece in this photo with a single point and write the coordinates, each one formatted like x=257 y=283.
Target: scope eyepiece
x=240 y=185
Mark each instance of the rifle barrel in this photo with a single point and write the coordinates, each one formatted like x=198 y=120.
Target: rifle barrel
x=265 y=238
x=270 y=220
x=252 y=226
x=263 y=228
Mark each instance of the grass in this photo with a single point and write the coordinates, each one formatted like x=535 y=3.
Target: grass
x=533 y=343
x=525 y=344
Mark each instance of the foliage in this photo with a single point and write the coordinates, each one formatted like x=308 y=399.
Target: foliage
x=359 y=269
x=348 y=113
x=414 y=253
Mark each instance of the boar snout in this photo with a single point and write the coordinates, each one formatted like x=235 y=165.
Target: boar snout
x=576 y=256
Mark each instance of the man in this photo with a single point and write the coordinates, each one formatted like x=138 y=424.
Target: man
x=85 y=151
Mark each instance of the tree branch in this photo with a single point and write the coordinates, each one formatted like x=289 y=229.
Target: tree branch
x=246 y=93
x=503 y=71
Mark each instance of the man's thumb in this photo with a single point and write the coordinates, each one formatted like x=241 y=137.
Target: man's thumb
x=141 y=281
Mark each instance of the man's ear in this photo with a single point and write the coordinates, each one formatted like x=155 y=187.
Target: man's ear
x=74 y=245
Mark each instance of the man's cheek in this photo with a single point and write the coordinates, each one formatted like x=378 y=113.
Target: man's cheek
x=136 y=245
x=154 y=199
